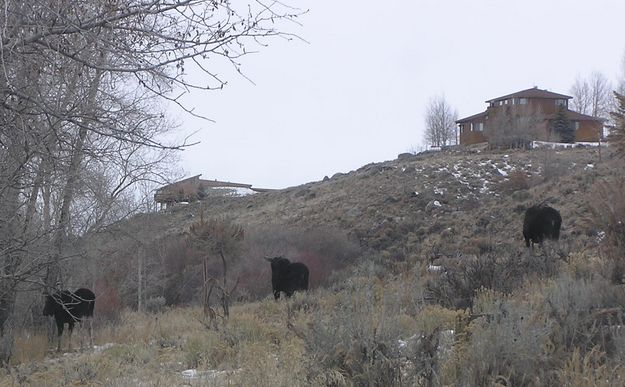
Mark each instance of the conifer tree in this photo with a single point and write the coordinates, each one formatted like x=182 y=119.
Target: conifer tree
x=562 y=126
x=616 y=138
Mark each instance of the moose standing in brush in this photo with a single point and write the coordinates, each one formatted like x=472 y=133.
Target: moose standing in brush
x=69 y=308
x=541 y=222
x=287 y=276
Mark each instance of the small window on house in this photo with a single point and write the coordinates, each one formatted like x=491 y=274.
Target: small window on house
x=522 y=101
x=576 y=124
x=560 y=102
x=480 y=127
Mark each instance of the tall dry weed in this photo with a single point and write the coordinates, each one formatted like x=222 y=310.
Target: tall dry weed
x=607 y=208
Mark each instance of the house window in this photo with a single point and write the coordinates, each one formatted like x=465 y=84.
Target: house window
x=560 y=102
x=480 y=127
x=522 y=101
x=576 y=124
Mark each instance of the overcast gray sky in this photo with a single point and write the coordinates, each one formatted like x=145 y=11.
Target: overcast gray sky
x=358 y=91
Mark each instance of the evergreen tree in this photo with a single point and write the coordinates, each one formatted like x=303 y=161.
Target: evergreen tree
x=562 y=126
x=617 y=131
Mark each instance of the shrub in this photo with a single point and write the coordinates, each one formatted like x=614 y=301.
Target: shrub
x=517 y=180
x=29 y=347
x=357 y=339
x=108 y=304
x=582 y=311
x=552 y=166
x=558 y=332
x=155 y=304
x=323 y=250
x=504 y=346
x=183 y=271
x=591 y=369
x=607 y=207
x=496 y=267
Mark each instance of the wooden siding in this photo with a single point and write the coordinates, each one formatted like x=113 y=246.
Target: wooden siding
x=469 y=137
x=589 y=131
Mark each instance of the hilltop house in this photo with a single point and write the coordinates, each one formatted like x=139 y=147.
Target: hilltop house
x=193 y=188
x=533 y=110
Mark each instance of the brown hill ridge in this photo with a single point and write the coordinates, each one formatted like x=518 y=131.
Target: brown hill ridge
x=396 y=205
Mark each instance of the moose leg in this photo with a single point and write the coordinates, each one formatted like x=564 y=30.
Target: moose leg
x=59 y=328
x=81 y=334
x=70 y=329
x=90 y=327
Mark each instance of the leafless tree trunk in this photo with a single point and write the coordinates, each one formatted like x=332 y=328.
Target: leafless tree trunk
x=73 y=174
x=592 y=95
x=80 y=84
x=140 y=254
x=509 y=130
x=440 y=122
x=580 y=91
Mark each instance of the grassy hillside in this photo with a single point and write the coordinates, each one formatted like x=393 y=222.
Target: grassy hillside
x=386 y=204
x=491 y=312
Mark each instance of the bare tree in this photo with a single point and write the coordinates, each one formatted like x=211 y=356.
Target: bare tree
x=440 y=122
x=218 y=239
x=80 y=122
x=621 y=79
x=592 y=95
x=580 y=91
x=515 y=130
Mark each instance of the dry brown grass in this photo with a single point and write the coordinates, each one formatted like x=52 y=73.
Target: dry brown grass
x=349 y=335
x=29 y=347
x=534 y=329
x=590 y=369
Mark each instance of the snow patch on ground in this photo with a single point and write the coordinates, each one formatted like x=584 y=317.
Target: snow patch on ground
x=234 y=191
x=214 y=375
x=103 y=347
x=565 y=145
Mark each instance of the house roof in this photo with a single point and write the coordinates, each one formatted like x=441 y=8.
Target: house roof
x=534 y=92
x=471 y=118
x=179 y=182
x=571 y=115
x=575 y=116
x=207 y=183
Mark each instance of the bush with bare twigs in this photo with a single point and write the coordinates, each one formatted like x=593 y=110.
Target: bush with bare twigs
x=607 y=207
x=218 y=239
